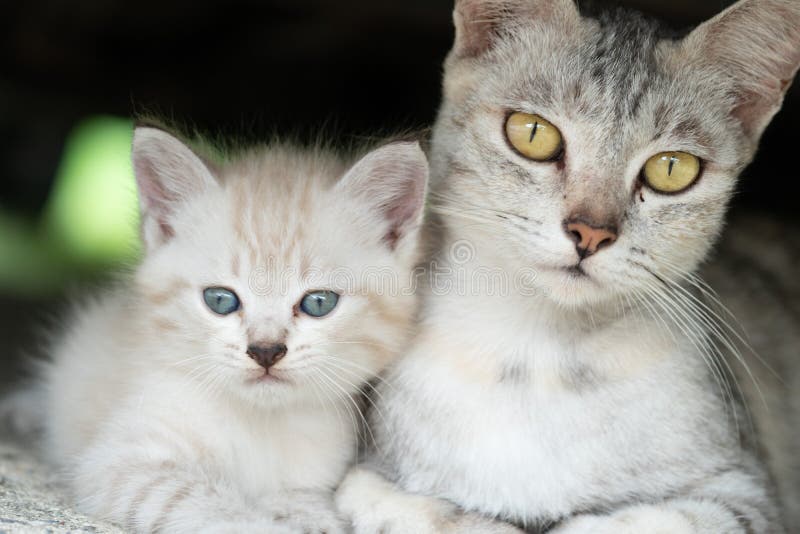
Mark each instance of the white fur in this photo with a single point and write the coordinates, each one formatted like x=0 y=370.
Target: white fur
x=153 y=408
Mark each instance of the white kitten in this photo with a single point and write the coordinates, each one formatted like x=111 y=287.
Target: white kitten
x=217 y=390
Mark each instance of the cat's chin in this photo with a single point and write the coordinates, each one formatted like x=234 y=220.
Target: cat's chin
x=572 y=286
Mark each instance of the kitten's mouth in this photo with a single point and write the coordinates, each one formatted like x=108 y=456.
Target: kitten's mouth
x=268 y=377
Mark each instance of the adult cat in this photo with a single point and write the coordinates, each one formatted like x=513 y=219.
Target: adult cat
x=589 y=160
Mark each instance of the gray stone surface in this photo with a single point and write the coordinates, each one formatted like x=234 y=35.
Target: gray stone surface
x=31 y=500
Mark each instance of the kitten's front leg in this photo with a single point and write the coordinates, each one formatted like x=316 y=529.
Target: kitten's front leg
x=731 y=503
x=307 y=511
x=168 y=485
x=373 y=504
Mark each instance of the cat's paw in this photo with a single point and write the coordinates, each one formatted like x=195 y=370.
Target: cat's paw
x=635 y=520
x=305 y=512
x=372 y=504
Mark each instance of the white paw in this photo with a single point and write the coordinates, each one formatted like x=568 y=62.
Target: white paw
x=374 y=505
x=636 y=520
x=305 y=512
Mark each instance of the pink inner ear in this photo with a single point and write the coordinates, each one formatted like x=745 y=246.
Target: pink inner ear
x=401 y=215
x=758 y=43
x=168 y=173
x=475 y=28
x=153 y=196
x=750 y=109
x=479 y=22
x=390 y=184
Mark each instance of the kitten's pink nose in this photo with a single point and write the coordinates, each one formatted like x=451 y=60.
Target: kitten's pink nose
x=589 y=238
x=266 y=357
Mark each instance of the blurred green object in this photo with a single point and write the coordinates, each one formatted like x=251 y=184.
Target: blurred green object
x=90 y=221
x=92 y=213
x=26 y=265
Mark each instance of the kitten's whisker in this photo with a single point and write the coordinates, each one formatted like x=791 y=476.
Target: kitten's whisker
x=358 y=367
x=349 y=397
x=364 y=393
x=192 y=358
x=338 y=393
x=332 y=401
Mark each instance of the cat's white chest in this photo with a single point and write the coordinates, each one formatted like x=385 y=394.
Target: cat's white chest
x=531 y=442
x=276 y=451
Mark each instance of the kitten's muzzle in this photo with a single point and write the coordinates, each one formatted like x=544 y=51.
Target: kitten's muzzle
x=268 y=356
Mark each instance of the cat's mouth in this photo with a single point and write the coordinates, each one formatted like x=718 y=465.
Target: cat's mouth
x=269 y=377
x=576 y=271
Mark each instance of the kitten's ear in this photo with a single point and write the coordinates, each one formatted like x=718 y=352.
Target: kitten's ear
x=756 y=43
x=479 y=22
x=391 y=183
x=167 y=174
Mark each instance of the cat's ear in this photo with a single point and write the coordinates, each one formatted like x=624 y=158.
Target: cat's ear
x=757 y=44
x=391 y=182
x=479 y=22
x=167 y=174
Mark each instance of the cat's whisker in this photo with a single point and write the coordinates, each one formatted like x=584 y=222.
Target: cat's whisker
x=737 y=331
x=367 y=372
x=358 y=378
x=192 y=359
x=343 y=396
x=358 y=367
x=684 y=315
x=453 y=201
x=700 y=345
x=324 y=389
x=719 y=328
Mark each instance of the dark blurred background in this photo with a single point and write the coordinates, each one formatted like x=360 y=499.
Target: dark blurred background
x=247 y=69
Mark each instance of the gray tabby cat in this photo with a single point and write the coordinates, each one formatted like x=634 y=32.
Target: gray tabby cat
x=589 y=161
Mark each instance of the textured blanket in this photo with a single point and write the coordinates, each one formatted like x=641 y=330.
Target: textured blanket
x=31 y=500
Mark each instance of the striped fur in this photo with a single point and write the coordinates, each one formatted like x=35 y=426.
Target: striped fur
x=153 y=409
x=595 y=403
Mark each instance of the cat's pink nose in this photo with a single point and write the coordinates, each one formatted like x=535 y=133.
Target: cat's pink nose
x=266 y=357
x=589 y=238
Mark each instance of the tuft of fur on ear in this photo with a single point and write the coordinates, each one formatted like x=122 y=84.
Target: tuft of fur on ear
x=167 y=174
x=391 y=182
x=757 y=44
x=478 y=23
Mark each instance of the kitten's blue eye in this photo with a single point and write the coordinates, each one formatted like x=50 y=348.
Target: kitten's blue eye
x=220 y=300
x=319 y=303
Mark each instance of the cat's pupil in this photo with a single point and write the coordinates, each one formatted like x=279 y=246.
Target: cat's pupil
x=534 y=130
x=220 y=300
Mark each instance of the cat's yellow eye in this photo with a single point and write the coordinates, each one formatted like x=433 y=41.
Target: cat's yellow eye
x=533 y=137
x=671 y=172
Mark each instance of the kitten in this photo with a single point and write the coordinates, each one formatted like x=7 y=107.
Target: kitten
x=218 y=389
x=589 y=162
